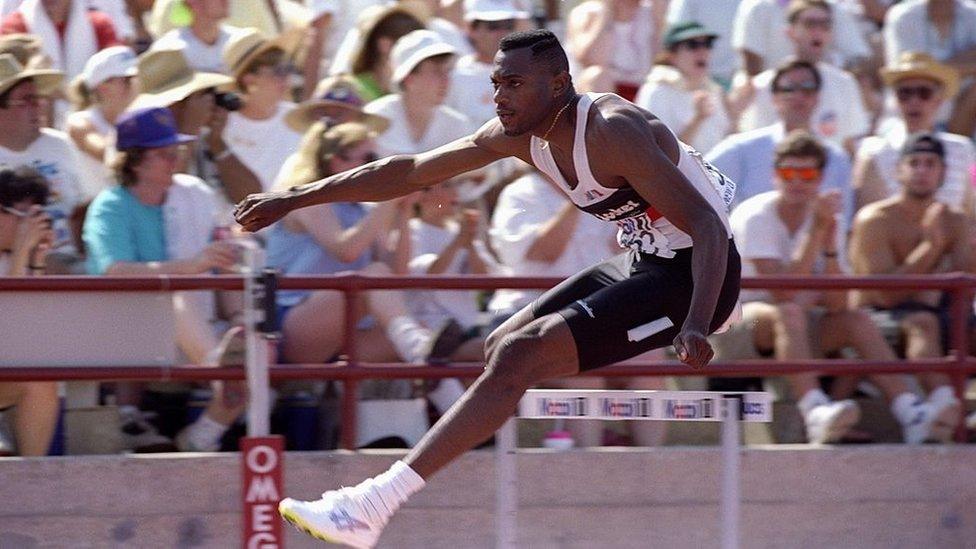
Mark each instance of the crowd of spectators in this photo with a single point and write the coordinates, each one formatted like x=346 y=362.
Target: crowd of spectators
x=128 y=129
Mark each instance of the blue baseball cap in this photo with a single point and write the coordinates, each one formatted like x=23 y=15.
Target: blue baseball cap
x=148 y=128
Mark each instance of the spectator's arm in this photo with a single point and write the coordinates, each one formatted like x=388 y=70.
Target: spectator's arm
x=748 y=33
x=585 y=27
x=553 y=236
x=446 y=257
x=238 y=181
x=316 y=35
x=87 y=139
x=964 y=62
x=346 y=244
x=874 y=10
x=961 y=250
x=871 y=253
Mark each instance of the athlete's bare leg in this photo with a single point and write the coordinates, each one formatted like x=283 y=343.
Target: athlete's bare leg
x=519 y=358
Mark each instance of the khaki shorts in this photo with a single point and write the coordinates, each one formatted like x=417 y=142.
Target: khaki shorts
x=738 y=343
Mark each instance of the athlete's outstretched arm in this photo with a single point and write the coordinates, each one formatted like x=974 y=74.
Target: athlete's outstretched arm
x=383 y=179
x=651 y=173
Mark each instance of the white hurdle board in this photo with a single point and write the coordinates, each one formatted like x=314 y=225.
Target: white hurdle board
x=730 y=408
x=643 y=405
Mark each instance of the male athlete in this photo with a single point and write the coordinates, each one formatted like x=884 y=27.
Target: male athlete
x=615 y=161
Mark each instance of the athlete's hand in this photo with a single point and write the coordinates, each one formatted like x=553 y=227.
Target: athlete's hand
x=257 y=211
x=693 y=348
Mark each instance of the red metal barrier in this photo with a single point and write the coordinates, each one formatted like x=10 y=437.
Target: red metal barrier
x=958 y=364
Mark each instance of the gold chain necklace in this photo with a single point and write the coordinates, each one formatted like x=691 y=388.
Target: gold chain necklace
x=545 y=138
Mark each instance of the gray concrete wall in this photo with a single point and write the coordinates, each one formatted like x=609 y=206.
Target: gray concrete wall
x=794 y=496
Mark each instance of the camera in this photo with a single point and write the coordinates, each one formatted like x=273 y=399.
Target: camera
x=229 y=101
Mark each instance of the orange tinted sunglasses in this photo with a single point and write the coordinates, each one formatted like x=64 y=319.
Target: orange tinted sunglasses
x=806 y=175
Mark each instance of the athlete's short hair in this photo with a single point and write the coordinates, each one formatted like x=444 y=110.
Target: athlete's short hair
x=801 y=144
x=545 y=48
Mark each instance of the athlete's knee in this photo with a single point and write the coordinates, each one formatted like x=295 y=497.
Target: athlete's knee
x=526 y=356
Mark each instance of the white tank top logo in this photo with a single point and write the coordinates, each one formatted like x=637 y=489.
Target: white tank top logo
x=641 y=227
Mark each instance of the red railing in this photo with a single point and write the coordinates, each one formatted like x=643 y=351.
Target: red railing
x=957 y=364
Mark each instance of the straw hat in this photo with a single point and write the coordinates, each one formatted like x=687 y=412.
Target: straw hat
x=247 y=44
x=340 y=92
x=165 y=78
x=21 y=45
x=13 y=73
x=913 y=64
x=319 y=143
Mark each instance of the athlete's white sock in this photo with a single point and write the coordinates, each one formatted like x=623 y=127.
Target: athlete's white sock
x=409 y=338
x=811 y=399
x=388 y=491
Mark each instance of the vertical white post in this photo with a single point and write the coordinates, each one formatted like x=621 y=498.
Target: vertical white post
x=506 y=487
x=729 y=506
x=258 y=356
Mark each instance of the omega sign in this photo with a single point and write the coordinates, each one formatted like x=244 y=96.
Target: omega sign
x=261 y=491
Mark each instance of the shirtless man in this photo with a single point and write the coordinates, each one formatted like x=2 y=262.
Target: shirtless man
x=913 y=233
x=615 y=161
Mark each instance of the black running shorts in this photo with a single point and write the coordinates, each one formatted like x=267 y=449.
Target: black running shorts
x=632 y=303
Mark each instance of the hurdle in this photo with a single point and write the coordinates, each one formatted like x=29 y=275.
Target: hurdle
x=730 y=408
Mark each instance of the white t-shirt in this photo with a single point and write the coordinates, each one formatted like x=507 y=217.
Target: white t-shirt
x=761 y=234
x=445 y=126
x=262 y=145
x=522 y=208
x=760 y=27
x=434 y=308
x=471 y=90
x=960 y=156
x=55 y=157
x=907 y=28
x=96 y=175
x=716 y=16
x=839 y=115
x=199 y=55
x=664 y=94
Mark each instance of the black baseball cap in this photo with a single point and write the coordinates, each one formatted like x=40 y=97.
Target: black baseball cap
x=923 y=143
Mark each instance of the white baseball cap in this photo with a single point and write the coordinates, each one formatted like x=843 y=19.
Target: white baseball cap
x=492 y=10
x=109 y=63
x=413 y=48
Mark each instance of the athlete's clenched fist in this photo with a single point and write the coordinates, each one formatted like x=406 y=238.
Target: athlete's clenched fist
x=259 y=210
x=693 y=348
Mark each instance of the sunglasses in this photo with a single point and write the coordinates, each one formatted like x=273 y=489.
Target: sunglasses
x=805 y=175
x=806 y=88
x=503 y=25
x=697 y=43
x=813 y=23
x=904 y=93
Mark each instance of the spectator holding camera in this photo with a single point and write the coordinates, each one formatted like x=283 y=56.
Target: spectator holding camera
x=257 y=134
x=25 y=238
x=167 y=80
x=24 y=142
x=99 y=95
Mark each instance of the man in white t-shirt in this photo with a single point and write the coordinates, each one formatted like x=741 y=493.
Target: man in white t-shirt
x=840 y=116
x=203 y=41
x=488 y=21
x=797 y=229
x=257 y=134
x=23 y=142
x=422 y=63
x=757 y=34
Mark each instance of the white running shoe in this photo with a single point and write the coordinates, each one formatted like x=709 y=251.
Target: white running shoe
x=830 y=422
x=341 y=517
x=933 y=421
